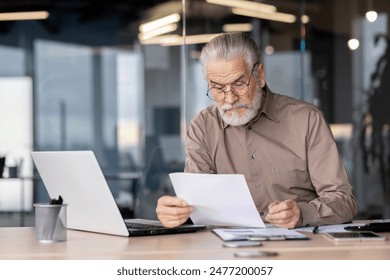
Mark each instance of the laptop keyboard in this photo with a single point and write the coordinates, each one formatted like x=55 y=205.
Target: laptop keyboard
x=139 y=225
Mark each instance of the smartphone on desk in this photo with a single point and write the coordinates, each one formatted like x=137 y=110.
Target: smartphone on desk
x=240 y=244
x=354 y=236
x=255 y=254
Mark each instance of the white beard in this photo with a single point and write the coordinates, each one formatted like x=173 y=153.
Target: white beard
x=251 y=110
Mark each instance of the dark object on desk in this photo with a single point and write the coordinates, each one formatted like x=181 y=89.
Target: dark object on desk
x=375 y=227
x=12 y=172
x=2 y=165
x=145 y=227
x=255 y=254
x=315 y=229
x=57 y=201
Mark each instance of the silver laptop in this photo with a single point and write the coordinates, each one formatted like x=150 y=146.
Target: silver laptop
x=77 y=177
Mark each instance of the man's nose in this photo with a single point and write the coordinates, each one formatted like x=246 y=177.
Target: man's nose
x=230 y=97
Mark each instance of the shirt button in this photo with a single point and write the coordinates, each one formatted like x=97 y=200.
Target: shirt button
x=250 y=127
x=253 y=156
x=258 y=186
x=261 y=213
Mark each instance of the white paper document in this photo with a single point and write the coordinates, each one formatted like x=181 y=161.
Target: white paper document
x=218 y=199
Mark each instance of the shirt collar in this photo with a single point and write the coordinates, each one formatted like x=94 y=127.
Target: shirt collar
x=269 y=106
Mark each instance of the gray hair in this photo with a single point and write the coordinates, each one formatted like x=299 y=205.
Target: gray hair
x=229 y=46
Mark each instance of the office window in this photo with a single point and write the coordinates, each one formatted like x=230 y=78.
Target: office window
x=90 y=99
x=16 y=143
x=65 y=89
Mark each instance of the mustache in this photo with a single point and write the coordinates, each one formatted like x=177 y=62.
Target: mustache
x=235 y=106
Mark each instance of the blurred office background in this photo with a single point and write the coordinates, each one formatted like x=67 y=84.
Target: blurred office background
x=106 y=76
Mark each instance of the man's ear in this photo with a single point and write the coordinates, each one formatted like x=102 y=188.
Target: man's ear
x=261 y=74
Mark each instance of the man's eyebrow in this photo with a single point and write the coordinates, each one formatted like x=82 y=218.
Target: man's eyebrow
x=236 y=80
x=215 y=83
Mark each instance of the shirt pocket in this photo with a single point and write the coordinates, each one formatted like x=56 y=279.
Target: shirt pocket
x=290 y=174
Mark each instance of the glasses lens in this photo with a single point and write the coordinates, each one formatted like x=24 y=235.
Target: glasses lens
x=216 y=94
x=240 y=88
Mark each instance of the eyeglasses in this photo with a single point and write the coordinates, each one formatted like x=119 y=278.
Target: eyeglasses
x=238 y=88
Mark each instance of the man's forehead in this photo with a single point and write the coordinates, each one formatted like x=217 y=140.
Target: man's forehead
x=218 y=70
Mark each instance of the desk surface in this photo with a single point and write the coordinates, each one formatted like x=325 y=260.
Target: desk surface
x=19 y=243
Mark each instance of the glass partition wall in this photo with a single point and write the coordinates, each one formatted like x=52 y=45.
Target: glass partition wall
x=126 y=82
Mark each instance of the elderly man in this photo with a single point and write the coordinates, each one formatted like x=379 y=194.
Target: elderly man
x=282 y=145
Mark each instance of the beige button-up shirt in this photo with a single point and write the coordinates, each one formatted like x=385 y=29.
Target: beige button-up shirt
x=286 y=152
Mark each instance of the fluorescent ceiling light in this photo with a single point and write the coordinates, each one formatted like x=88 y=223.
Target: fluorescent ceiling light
x=158 y=31
x=24 y=16
x=175 y=40
x=237 y=27
x=163 y=40
x=249 y=5
x=199 y=39
x=283 y=17
x=146 y=27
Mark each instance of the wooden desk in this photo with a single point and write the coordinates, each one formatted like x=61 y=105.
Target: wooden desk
x=19 y=243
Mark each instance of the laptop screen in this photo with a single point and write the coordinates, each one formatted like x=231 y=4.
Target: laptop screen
x=78 y=178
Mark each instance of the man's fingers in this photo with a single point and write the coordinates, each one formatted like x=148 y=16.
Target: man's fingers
x=171 y=201
x=273 y=204
x=277 y=206
x=284 y=214
x=172 y=211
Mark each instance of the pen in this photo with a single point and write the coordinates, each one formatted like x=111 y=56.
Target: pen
x=315 y=229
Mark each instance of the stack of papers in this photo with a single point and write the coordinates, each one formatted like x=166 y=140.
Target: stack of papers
x=260 y=234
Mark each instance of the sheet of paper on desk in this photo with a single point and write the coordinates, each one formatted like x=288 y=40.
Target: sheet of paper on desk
x=274 y=233
x=218 y=199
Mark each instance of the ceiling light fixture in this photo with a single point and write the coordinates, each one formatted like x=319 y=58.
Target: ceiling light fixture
x=305 y=19
x=282 y=17
x=237 y=27
x=269 y=50
x=148 y=26
x=176 y=40
x=163 y=40
x=353 y=44
x=249 y=5
x=157 y=32
x=371 y=15
x=36 y=15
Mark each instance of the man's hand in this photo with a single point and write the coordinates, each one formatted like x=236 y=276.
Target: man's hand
x=284 y=214
x=172 y=211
